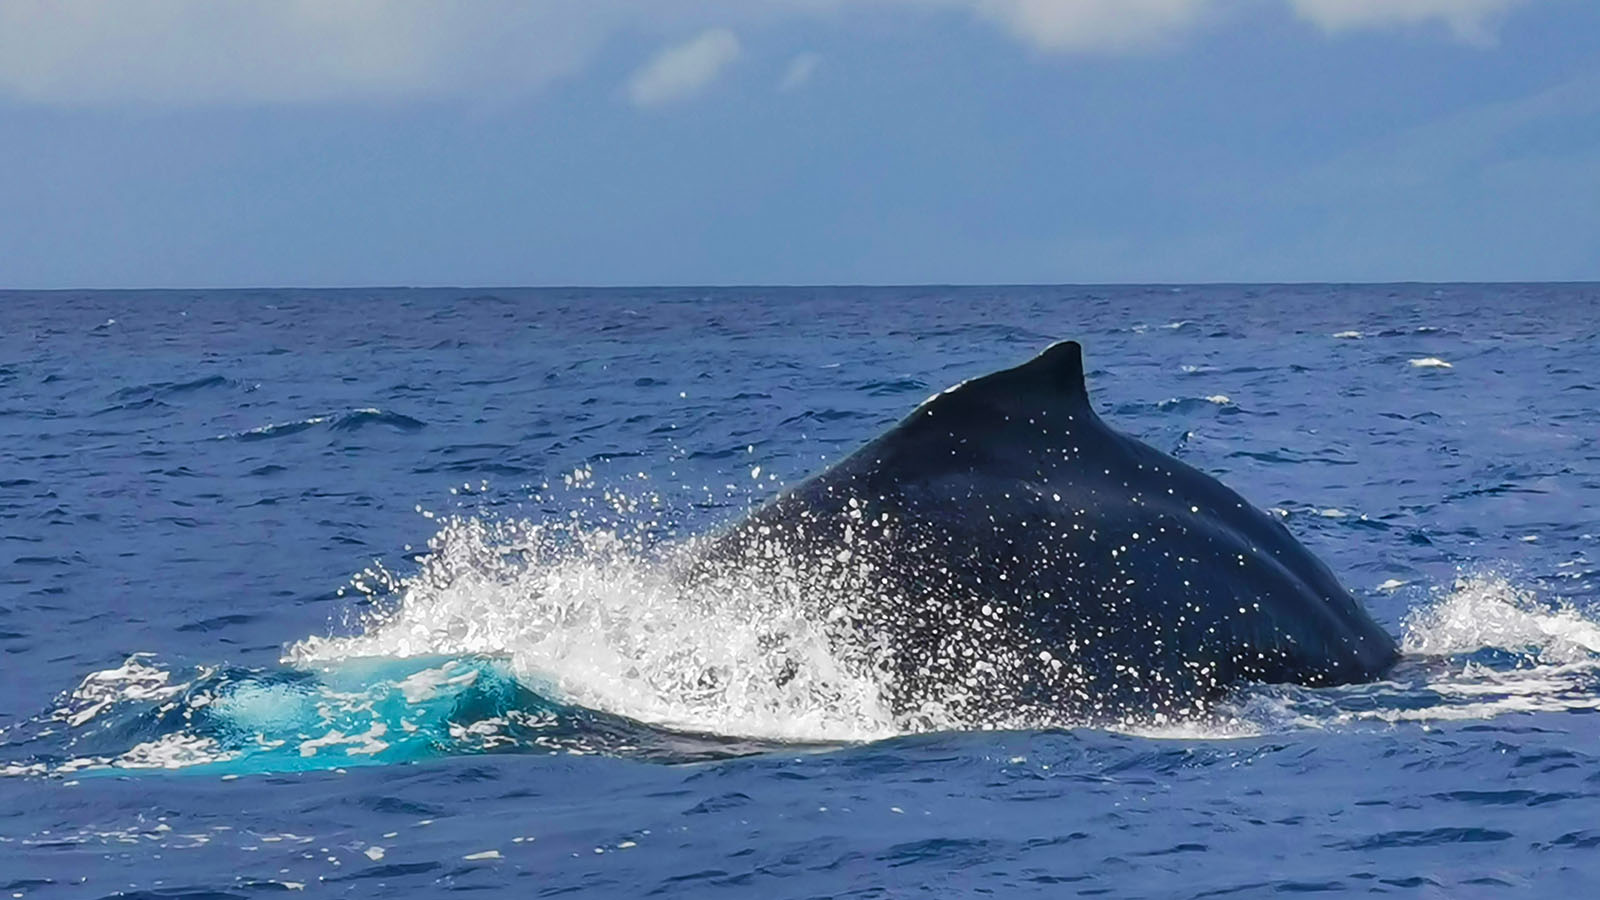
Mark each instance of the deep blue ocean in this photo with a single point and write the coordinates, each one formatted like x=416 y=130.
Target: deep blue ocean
x=360 y=593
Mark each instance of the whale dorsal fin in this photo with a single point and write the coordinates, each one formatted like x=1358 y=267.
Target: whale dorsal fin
x=1050 y=381
x=1059 y=368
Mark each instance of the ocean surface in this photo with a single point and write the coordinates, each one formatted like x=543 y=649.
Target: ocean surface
x=363 y=593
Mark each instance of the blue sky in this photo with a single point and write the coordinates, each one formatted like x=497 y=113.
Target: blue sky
x=360 y=142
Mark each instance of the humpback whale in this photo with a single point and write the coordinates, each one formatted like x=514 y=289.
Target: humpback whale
x=1003 y=552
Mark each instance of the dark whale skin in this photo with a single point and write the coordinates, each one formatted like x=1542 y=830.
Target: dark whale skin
x=1003 y=549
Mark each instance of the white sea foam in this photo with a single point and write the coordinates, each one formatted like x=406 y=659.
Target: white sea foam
x=136 y=679
x=364 y=744
x=170 y=751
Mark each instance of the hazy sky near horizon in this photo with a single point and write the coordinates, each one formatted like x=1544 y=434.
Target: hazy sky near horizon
x=360 y=142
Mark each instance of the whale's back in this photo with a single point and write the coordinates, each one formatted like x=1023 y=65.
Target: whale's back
x=1101 y=571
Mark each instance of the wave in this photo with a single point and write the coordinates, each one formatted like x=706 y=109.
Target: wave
x=1482 y=649
x=143 y=715
x=893 y=386
x=1208 y=403
x=540 y=637
x=349 y=421
x=168 y=388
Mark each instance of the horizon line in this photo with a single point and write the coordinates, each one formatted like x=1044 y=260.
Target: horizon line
x=795 y=286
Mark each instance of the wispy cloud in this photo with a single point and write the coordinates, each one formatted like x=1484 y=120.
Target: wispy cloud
x=199 y=52
x=1459 y=148
x=1469 y=20
x=800 y=71
x=681 y=71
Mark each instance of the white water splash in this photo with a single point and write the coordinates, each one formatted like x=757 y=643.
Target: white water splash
x=1556 y=650
x=1489 y=612
x=585 y=617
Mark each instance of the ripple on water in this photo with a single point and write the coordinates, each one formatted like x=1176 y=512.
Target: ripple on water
x=354 y=420
x=169 y=388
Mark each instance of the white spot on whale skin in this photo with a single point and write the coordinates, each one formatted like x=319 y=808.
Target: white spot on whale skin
x=1430 y=362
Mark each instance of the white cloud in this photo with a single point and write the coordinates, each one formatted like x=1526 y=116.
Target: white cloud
x=683 y=70
x=799 y=73
x=1091 y=24
x=186 y=52
x=1470 y=20
x=197 y=52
